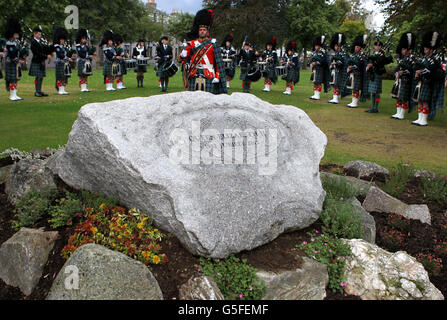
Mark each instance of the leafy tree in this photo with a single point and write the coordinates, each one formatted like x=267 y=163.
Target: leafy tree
x=180 y=25
x=352 y=28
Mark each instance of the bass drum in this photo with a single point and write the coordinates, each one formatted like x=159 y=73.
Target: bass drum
x=254 y=74
x=171 y=70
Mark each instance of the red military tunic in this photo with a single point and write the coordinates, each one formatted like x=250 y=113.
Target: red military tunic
x=210 y=68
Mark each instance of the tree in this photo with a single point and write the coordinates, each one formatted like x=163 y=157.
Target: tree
x=180 y=25
x=352 y=28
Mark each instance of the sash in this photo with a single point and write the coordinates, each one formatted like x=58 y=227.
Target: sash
x=198 y=57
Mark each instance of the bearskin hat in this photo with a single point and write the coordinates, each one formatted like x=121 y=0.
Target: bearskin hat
x=108 y=35
x=291 y=45
x=37 y=29
x=407 y=41
x=378 y=42
x=432 y=40
x=360 y=41
x=272 y=42
x=141 y=40
x=228 y=37
x=82 y=33
x=203 y=17
x=338 y=39
x=58 y=34
x=117 y=38
x=12 y=26
x=319 y=41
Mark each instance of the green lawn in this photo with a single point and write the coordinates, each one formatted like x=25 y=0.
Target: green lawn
x=352 y=133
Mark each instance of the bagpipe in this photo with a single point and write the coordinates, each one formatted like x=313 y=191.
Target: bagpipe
x=378 y=59
x=336 y=68
x=88 y=69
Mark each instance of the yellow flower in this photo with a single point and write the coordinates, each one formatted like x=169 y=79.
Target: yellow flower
x=156 y=259
x=119 y=237
x=146 y=254
x=155 y=230
x=94 y=230
x=140 y=225
x=102 y=206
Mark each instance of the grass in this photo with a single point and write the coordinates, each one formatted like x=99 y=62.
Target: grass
x=352 y=133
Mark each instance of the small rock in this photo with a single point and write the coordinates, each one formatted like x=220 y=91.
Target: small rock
x=200 y=288
x=365 y=170
x=104 y=274
x=361 y=186
x=424 y=174
x=4 y=173
x=375 y=274
x=43 y=153
x=306 y=283
x=23 y=257
x=368 y=221
x=379 y=201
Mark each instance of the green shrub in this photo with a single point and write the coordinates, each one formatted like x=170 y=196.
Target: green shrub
x=332 y=252
x=396 y=184
x=434 y=190
x=234 y=277
x=341 y=220
x=338 y=188
x=66 y=209
x=94 y=200
x=33 y=206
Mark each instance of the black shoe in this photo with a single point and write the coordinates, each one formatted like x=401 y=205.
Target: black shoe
x=44 y=94
x=372 y=111
x=38 y=94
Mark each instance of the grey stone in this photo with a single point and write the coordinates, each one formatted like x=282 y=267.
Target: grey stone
x=424 y=174
x=375 y=274
x=127 y=149
x=104 y=275
x=28 y=174
x=365 y=169
x=42 y=153
x=23 y=257
x=4 y=173
x=379 y=201
x=368 y=221
x=306 y=283
x=200 y=288
x=361 y=186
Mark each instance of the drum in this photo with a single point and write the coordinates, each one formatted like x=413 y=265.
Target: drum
x=350 y=81
x=228 y=63
x=116 y=69
x=262 y=66
x=131 y=63
x=143 y=61
x=67 y=69
x=88 y=70
x=281 y=71
x=171 y=70
x=254 y=74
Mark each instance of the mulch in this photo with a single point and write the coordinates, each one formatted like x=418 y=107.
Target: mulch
x=275 y=256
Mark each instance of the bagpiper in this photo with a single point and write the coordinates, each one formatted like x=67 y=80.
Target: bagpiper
x=430 y=76
x=164 y=57
x=292 y=63
x=41 y=52
x=14 y=57
x=111 y=66
x=375 y=68
x=2 y=55
x=85 y=55
x=63 y=59
x=138 y=52
x=229 y=58
x=206 y=69
x=270 y=58
x=120 y=56
x=404 y=75
x=356 y=69
x=338 y=66
x=319 y=66
x=247 y=58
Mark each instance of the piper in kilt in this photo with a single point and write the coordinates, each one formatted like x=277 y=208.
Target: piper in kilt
x=14 y=57
x=62 y=57
x=432 y=76
x=338 y=65
x=41 y=52
x=206 y=69
x=229 y=58
x=375 y=69
x=109 y=59
x=2 y=54
x=404 y=74
x=271 y=58
x=84 y=56
x=356 y=66
x=164 y=57
x=292 y=63
x=320 y=67
x=247 y=58
x=120 y=56
x=140 y=52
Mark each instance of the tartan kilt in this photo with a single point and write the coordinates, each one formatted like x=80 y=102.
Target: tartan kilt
x=160 y=73
x=123 y=67
x=244 y=73
x=405 y=89
x=60 y=71
x=230 y=73
x=11 y=72
x=426 y=92
x=358 y=81
x=319 y=74
x=107 y=71
x=339 y=78
x=376 y=85
x=141 y=68
x=271 y=74
x=293 y=75
x=81 y=64
x=36 y=71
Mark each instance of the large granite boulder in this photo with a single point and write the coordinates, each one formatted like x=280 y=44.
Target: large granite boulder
x=305 y=283
x=23 y=257
x=375 y=274
x=172 y=156
x=379 y=201
x=200 y=288
x=94 y=272
x=365 y=170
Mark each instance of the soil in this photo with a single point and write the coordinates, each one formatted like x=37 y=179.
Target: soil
x=278 y=255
